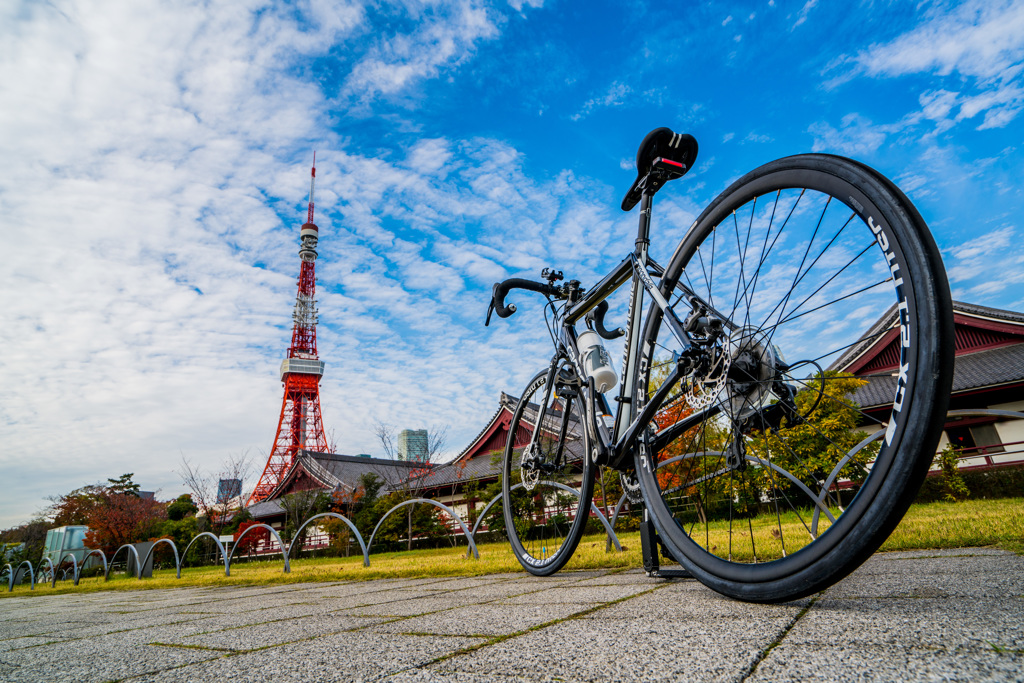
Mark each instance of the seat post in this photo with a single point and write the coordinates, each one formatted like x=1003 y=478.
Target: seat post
x=642 y=233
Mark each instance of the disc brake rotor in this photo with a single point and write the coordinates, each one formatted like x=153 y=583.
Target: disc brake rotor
x=705 y=388
x=528 y=475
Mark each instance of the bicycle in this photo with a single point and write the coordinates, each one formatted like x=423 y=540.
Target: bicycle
x=765 y=467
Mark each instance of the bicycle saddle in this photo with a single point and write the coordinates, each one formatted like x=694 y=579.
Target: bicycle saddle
x=660 y=143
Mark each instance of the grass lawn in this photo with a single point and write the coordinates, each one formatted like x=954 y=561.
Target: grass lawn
x=933 y=525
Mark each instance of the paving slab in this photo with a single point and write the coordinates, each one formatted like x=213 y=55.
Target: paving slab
x=981 y=576
x=340 y=657
x=792 y=662
x=250 y=637
x=924 y=615
x=92 y=659
x=951 y=625
x=27 y=641
x=478 y=620
x=415 y=606
x=690 y=601
x=590 y=650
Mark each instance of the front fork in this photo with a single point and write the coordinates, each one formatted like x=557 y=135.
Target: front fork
x=534 y=459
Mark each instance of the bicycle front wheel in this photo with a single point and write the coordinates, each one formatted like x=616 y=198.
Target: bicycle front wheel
x=795 y=447
x=547 y=476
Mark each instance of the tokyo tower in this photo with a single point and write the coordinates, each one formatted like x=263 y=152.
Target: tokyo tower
x=300 y=426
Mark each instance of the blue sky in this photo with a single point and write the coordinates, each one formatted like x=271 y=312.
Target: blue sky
x=156 y=164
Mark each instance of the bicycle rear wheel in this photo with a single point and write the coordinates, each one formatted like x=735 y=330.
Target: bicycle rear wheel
x=790 y=455
x=548 y=482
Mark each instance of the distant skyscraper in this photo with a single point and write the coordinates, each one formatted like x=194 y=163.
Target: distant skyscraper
x=412 y=445
x=228 y=489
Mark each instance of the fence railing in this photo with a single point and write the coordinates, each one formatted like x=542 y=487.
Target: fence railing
x=58 y=571
x=35 y=573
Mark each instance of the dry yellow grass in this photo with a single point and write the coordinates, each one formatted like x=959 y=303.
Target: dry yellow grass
x=934 y=525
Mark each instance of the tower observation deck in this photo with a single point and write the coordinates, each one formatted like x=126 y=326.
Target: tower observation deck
x=300 y=426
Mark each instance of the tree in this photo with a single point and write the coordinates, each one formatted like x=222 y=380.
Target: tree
x=364 y=504
x=181 y=531
x=810 y=449
x=298 y=507
x=32 y=535
x=123 y=518
x=204 y=487
x=74 y=508
x=954 y=487
x=124 y=484
x=251 y=541
x=416 y=480
x=181 y=507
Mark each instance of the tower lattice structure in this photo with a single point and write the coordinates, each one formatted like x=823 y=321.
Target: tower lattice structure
x=300 y=426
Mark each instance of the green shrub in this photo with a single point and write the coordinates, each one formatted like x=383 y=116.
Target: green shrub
x=1000 y=482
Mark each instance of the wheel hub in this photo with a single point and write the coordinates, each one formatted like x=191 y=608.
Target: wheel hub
x=752 y=367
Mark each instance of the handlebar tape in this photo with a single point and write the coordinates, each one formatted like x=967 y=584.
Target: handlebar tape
x=501 y=289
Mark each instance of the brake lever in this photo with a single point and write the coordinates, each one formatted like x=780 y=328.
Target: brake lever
x=490 y=309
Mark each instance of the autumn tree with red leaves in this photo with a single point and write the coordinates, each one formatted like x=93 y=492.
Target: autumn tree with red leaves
x=114 y=513
x=123 y=518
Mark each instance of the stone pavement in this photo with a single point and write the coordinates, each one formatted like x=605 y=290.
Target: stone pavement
x=948 y=615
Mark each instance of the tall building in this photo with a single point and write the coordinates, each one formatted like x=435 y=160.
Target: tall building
x=228 y=489
x=412 y=445
x=300 y=426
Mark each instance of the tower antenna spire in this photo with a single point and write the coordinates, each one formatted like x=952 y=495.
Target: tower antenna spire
x=312 y=181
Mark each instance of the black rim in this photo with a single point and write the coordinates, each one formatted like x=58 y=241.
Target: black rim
x=540 y=506
x=837 y=266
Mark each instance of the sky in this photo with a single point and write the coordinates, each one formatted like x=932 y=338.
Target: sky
x=156 y=164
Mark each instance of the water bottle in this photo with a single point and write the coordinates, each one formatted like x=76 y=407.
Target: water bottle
x=596 y=361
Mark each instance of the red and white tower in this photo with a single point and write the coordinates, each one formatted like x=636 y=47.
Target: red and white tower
x=300 y=426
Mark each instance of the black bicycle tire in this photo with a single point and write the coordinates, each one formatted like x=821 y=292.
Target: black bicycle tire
x=576 y=531
x=855 y=537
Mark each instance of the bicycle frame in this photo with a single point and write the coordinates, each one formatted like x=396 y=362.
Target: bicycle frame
x=635 y=412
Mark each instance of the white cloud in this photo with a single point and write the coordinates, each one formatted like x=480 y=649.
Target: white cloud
x=445 y=36
x=969 y=265
x=856 y=136
x=518 y=5
x=801 y=17
x=757 y=137
x=615 y=96
x=983 y=39
x=981 y=43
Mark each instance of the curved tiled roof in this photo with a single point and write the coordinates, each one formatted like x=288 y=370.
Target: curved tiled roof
x=972 y=371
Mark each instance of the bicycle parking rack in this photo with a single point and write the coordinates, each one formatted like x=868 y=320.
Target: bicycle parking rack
x=454 y=515
x=177 y=561
x=227 y=561
x=609 y=528
x=216 y=540
x=359 y=536
x=74 y=563
x=138 y=565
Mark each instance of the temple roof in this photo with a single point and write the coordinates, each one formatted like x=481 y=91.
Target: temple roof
x=989 y=353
